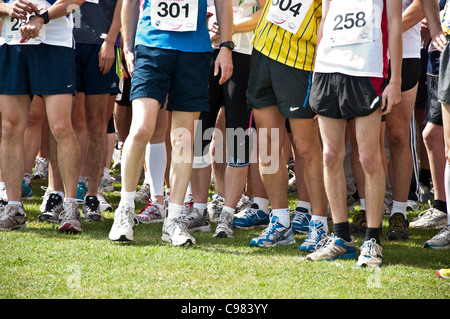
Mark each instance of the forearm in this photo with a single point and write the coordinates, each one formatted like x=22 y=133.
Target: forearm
x=63 y=7
x=129 y=20
x=116 y=24
x=412 y=15
x=224 y=9
x=248 y=23
x=431 y=11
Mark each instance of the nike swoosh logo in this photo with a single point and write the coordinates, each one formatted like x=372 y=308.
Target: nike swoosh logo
x=375 y=101
x=294 y=108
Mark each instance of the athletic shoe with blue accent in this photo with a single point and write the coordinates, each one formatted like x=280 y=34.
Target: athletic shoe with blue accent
x=441 y=240
x=81 y=191
x=371 y=255
x=300 y=220
x=27 y=192
x=251 y=217
x=314 y=240
x=275 y=234
x=334 y=248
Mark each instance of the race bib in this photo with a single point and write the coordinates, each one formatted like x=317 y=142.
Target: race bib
x=12 y=27
x=174 y=15
x=350 y=22
x=288 y=14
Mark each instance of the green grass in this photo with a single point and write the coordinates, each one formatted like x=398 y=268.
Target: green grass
x=39 y=262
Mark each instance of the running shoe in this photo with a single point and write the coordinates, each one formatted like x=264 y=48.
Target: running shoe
x=106 y=184
x=398 y=227
x=430 y=218
x=215 y=207
x=358 y=224
x=13 y=217
x=124 y=221
x=251 y=217
x=40 y=168
x=27 y=191
x=275 y=234
x=176 y=232
x=224 y=227
x=244 y=202
x=300 y=220
x=70 y=218
x=143 y=194
x=103 y=203
x=53 y=208
x=91 y=209
x=196 y=221
x=441 y=240
x=443 y=273
x=314 y=238
x=81 y=191
x=334 y=248
x=371 y=255
x=152 y=213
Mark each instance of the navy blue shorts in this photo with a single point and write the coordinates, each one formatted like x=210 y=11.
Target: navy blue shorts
x=183 y=76
x=36 y=70
x=89 y=79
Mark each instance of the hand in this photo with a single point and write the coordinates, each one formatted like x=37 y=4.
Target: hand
x=129 y=58
x=21 y=8
x=439 y=40
x=224 y=63
x=31 y=29
x=392 y=95
x=106 y=57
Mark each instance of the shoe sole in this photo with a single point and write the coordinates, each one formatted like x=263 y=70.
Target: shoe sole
x=188 y=242
x=47 y=219
x=69 y=228
x=17 y=227
x=281 y=242
x=222 y=234
x=122 y=238
x=344 y=256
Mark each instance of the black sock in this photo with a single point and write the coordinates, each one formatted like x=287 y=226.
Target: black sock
x=342 y=230
x=441 y=205
x=425 y=177
x=373 y=233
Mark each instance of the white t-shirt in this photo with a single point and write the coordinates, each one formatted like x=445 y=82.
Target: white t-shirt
x=354 y=39
x=411 y=37
x=57 y=32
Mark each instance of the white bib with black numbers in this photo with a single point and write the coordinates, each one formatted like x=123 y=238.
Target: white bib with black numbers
x=350 y=22
x=174 y=15
x=12 y=28
x=288 y=14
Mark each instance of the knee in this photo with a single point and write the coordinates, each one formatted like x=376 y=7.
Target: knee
x=332 y=158
x=432 y=135
x=369 y=162
x=398 y=139
x=61 y=130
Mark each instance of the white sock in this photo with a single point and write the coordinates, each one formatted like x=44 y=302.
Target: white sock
x=283 y=216
x=263 y=203
x=3 y=191
x=200 y=206
x=322 y=219
x=398 y=207
x=174 y=210
x=303 y=204
x=363 y=203
x=82 y=179
x=156 y=166
x=127 y=198
x=229 y=209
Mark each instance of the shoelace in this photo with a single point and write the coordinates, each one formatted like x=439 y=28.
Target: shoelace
x=70 y=211
x=124 y=219
x=397 y=221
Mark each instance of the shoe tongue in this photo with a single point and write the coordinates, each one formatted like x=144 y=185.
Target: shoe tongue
x=301 y=209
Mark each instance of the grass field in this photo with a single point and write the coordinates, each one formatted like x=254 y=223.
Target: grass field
x=39 y=262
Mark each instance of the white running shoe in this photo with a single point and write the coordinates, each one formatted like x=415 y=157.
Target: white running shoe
x=430 y=218
x=175 y=231
x=371 y=255
x=124 y=221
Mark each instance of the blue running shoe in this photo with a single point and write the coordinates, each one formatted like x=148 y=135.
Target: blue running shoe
x=334 y=248
x=300 y=220
x=27 y=192
x=275 y=234
x=251 y=217
x=315 y=235
x=81 y=191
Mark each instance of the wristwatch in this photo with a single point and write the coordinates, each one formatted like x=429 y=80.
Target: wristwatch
x=227 y=44
x=44 y=15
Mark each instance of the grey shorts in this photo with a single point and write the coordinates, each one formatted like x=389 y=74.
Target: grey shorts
x=444 y=75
